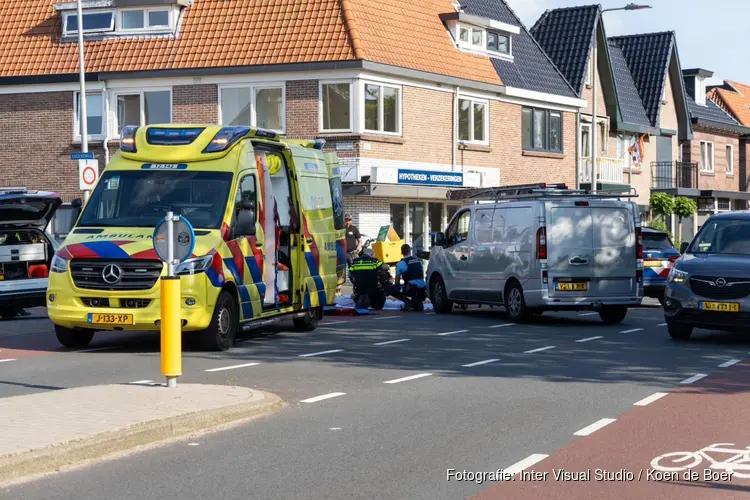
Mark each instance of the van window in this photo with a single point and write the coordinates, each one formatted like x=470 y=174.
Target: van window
x=498 y=225
x=483 y=227
x=517 y=226
x=723 y=236
x=246 y=191
x=458 y=231
x=280 y=187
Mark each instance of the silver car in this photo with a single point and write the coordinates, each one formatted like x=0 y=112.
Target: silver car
x=545 y=249
x=709 y=286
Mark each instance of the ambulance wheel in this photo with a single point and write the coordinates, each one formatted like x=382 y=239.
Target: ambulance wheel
x=221 y=332
x=439 y=297
x=308 y=322
x=70 y=337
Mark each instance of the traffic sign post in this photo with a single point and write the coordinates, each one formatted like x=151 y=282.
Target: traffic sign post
x=174 y=241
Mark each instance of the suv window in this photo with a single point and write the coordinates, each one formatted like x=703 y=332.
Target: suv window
x=458 y=231
x=656 y=241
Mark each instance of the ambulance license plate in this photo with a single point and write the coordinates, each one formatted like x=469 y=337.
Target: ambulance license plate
x=571 y=287
x=110 y=319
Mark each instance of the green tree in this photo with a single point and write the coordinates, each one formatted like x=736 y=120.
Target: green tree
x=683 y=208
x=662 y=206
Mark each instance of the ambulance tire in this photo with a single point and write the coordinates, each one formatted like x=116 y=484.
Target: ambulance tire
x=71 y=337
x=308 y=322
x=221 y=332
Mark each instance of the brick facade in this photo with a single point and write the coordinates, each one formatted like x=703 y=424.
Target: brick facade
x=719 y=179
x=195 y=103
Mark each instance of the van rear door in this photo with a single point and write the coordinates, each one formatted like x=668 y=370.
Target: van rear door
x=570 y=249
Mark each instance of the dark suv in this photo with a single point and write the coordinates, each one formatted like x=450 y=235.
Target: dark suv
x=709 y=286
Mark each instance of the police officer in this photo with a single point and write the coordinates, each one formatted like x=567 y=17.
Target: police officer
x=413 y=292
x=368 y=275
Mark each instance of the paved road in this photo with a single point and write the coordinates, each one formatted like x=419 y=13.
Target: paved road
x=407 y=397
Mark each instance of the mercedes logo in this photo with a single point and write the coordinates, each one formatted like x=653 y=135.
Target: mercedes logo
x=721 y=282
x=112 y=273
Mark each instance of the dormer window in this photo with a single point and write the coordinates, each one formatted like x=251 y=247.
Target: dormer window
x=484 y=40
x=104 y=18
x=93 y=22
x=144 y=19
x=498 y=43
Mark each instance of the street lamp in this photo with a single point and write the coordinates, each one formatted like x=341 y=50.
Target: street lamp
x=82 y=111
x=594 y=124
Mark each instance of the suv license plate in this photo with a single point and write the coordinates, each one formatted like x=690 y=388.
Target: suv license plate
x=110 y=319
x=720 y=306
x=571 y=287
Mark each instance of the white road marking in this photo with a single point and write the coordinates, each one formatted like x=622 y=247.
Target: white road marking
x=319 y=353
x=392 y=342
x=486 y=361
x=101 y=349
x=5 y=360
x=451 y=333
x=193 y=444
x=540 y=349
x=588 y=314
x=501 y=325
x=650 y=399
x=729 y=363
x=430 y=312
x=524 y=464
x=590 y=429
x=589 y=339
x=333 y=323
x=412 y=377
x=633 y=330
x=321 y=398
x=386 y=317
x=141 y=382
x=231 y=367
x=335 y=428
x=694 y=378
x=662 y=324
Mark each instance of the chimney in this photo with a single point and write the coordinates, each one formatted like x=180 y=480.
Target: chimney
x=695 y=83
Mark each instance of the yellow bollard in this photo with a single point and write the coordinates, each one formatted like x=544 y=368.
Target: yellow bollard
x=171 y=329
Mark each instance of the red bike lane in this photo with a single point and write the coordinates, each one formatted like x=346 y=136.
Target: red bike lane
x=677 y=447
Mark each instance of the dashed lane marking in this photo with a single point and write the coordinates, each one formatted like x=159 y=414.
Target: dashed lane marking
x=590 y=429
x=221 y=369
x=729 y=363
x=6 y=360
x=590 y=339
x=525 y=463
x=392 y=342
x=540 y=349
x=694 y=378
x=386 y=317
x=501 y=325
x=323 y=397
x=588 y=314
x=310 y=355
x=633 y=330
x=100 y=349
x=405 y=379
x=650 y=399
x=478 y=363
x=141 y=382
x=333 y=323
x=452 y=333
x=662 y=324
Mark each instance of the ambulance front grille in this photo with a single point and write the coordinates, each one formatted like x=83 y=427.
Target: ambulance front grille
x=133 y=274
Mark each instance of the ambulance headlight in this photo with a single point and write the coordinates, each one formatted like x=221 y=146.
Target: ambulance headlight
x=58 y=265
x=194 y=266
x=127 y=139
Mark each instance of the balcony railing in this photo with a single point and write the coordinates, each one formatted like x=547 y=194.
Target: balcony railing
x=609 y=171
x=674 y=174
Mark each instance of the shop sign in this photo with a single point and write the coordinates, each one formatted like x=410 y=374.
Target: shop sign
x=430 y=178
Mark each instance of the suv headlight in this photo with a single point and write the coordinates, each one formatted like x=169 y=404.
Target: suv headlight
x=677 y=276
x=194 y=266
x=59 y=265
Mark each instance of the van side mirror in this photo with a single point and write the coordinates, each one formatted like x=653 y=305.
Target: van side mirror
x=684 y=246
x=440 y=240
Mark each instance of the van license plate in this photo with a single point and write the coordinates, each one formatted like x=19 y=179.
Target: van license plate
x=720 y=306
x=110 y=319
x=571 y=287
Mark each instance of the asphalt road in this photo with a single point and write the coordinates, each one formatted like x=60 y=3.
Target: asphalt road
x=407 y=396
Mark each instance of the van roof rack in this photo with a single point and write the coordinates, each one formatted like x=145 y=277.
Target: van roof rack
x=13 y=190
x=527 y=191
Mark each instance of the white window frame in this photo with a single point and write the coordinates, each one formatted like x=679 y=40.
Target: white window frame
x=140 y=92
x=76 y=125
x=381 y=109
x=112 y=24
x=730 y=166
x=486 y=104
x=254 y=88
x=703 y=160
x=146 y=28
x=482 y=48
x=497 y=52
x=352 y=98
x=483 y=42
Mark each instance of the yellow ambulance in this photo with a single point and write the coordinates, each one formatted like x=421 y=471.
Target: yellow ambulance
x=269 y=224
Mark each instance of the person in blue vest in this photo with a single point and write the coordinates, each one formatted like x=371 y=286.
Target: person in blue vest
x=413 y=292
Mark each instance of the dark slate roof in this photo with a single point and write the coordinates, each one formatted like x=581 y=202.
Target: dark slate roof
x=648 y=56
x=710 y=112
x=630 y=101
x=567 y=35
x=530 y=69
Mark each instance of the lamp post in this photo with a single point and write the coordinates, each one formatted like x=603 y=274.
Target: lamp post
x=82 y=111
x=594 y=124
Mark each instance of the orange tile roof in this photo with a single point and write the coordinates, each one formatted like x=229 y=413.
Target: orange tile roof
x=220 y=33
x=736 y=103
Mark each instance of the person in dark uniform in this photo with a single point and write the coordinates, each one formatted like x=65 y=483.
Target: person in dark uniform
x=413 y=292
x=368 y=275
x=353 y=241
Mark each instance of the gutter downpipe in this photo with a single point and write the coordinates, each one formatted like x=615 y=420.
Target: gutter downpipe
x=106 y=124
x=455 y=129
x=578 y=148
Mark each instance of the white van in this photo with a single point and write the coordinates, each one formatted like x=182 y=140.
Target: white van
x=541 y=247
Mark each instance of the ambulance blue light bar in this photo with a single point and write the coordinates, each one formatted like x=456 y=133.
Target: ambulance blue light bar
x=319 y=143
x=162 y=136
x=225 y=138
x=127 y=139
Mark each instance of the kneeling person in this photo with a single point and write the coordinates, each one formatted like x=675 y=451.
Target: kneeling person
x=413 y=292
x=366 y=274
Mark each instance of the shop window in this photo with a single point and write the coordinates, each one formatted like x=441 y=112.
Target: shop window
x=416 y=223
x=398 y=218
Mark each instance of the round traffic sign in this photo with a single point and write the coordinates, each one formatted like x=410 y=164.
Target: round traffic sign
x=183 y=240
x=89 y=175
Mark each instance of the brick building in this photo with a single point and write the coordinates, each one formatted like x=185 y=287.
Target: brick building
x=405 y=93
x=734 y=98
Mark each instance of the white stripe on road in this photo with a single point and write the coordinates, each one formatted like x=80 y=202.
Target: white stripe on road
x=392 y=342
x=451 y=333
x=486 y=361
x=141 y=382
x=525 y=463
x=590 y=429
x=4 y=360
x=694 y=378
x=633 y=330
x=662 y=324
x=588 y=314
x=729 y=363
x=319 y=353
x=231 y=367
x=589 y=339
x=540 y=349
x=501 y=325
x=412 y=377
x=650 y=399
x=333 y=323
x=101 y=349
x=386 y=317
x=321 y=398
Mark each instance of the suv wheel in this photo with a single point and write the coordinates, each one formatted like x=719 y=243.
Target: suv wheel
x=439 y=297
x=679 y=332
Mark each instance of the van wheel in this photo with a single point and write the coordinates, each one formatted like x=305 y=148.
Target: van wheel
x=515 y=305
x=439 y=297
x=308 y=322
x=71 y=337
x=613 y=314
x=679 y=332
x=221 y=332
x=9 y=312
